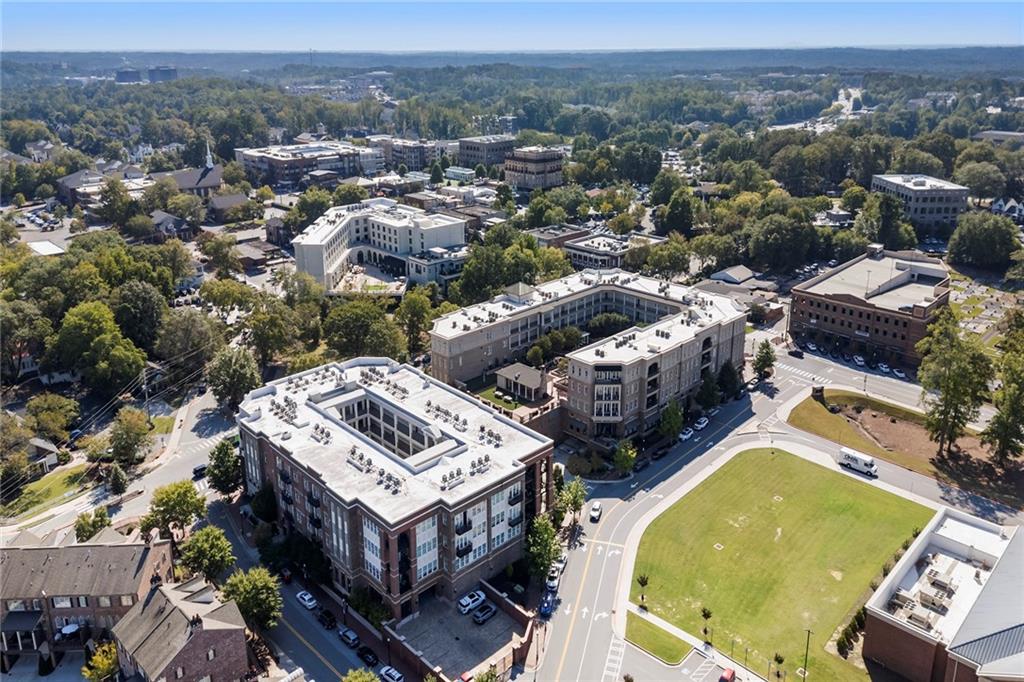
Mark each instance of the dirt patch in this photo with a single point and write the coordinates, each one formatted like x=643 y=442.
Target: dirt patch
x=838 y=575
x=778 y=534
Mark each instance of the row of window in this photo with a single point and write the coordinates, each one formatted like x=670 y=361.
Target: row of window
x=843 y=310
x=75 y=602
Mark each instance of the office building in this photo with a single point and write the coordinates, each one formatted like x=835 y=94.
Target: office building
x=952 y=609
x=529 y=168
x=489 y=150
x=879 y=303
x=378 y=231
x=415 y=155
x=287 y=164
x=557 y=235
x=460 y=174
x=928 y=203
x=605 y=251
x=411 y=487
x=127 y=76
x=481 y=338
x=161 y=74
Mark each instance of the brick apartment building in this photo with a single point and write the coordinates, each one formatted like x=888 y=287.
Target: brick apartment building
x=529 y=168
x=489 y=150
x=879 y=303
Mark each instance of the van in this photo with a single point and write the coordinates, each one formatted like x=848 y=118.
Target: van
x=851 y=459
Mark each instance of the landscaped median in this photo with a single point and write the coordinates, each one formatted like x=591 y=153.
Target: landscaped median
x=655 y=641
x=772 y=545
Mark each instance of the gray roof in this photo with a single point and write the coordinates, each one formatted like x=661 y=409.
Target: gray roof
x=993 y=632
x=194 y=178
x=80 y=178
x=226 y=201
x=527 y=376
x=159 y=627
x=737 y=273
x=89 y=569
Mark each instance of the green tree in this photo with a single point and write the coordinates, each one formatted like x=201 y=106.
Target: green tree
x=881 y=220
x=402 y=169
x=117 y=480
x=983 y=240
x=542 y=547
x=363 y=675
x=24 y=332
x=117 y=206
x=129 y=436
x=729 y=381
x=360 y=327
x=187 y=206
x=232 y=373
x=414 y=313
x=665 y=184
x=535 y=356
x=489 y=675
x=671 y=420
x=208 y=551
x=679 y=214
x=187 y=338
x=854 y=198
x=225 y=468
x=157 y=196
x=764 y=360
x=175 y=505
x=984 y=179
x=138 y=227
x=954 y=376
x=1004 y=433
x=89 y=523
x=222 y=254
x=643 y=581
x=480 y=170
x=103 y=664
x=349 y=194
x=139 y=308
x=625 y=456
x=50 y=415
x=112 y=361
x=709 y=395
x=911 y=160
x=82 y=325
x=573 y=497
x=436 y=174
x=225 y=294
x=257 y=594
x=270 y=327
x=779 y=242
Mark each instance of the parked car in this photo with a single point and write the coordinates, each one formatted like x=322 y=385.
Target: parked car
x=595 y=512
x=561 y=562
x=660 y=452
x=686 y=434
x=899 y=373
x=883 y=368
x=286 y=575
x=471 y=601
x=858 y=360
x=847 y=357
x=812 y=347
x=327 y=619
x=701 y=424
x=796 y=353
x=367 y=656
x=307 y=600
x=484 y=613
x=713 y=412
x=349 y=637
x=641 y=464
x=553 y=579
x=547 y=604
x=389 y=674
x=199 y=470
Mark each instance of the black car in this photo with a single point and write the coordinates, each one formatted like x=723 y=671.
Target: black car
x=641 y=464
x=367 y=656
x=796 y=353
x=327 y=619
x=199 y=471
x=660 y=452
x=847 y=357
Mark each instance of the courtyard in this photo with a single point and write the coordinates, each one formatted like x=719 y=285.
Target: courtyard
x=773 y=545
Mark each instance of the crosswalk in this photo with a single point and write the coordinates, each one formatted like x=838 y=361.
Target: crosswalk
x=613 y=664
x=804 y=373
x=703 y=671
x=201 y=484
x=199 y=446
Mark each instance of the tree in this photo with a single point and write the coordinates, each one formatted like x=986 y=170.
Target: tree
x=264 y=504
x=402 y=169
x=103 y=664
x=679 y=214
x=764 y=360
x=222 y=254
x=89 y=523
x=983 y=240
x=606 y=324
x=643 y=581
x=51 y=414
x=225 y=294
x=208 y=551
x=111 y=362
x=257 y=594
x=139 y=227
x=480 y=170
x=881 y=220
x=625 y=456
x=139 y=308
x=984 y=179
x=911 y=160
x=665 y=184
x=779 y=660
x=779 y=242
x=232 y=373
x=360 y=327
x=573 y=497
x=1004 y=433
x=270 y=327
x=414 y=314
x=117 y=480
x=82 y=325
x=157 y=196
x=364 y=675
x=225 y=469
x=117 y=205
x=25 y=330
x=729 y=381
x=671 y=420
x=129 y=436
x=542 y=546
x=349 y=194
x=187 y=338
x=187 y=206
x=854 y=198
x=436 y=174
x=709 y=395
x=705 y=614
x=535 y=356
x=954 y=376
x=489 y=675
x=175 y=505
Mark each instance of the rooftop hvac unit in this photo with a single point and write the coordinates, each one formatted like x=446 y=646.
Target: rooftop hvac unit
x=922 y=619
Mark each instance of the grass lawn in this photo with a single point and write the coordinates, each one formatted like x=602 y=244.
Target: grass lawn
x=45 y=492
x=654 y=640
x=799 y=546
x=162 y=424
x=488 y=394
x=749 y=329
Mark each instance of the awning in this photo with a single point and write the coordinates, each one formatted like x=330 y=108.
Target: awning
x=21 y=621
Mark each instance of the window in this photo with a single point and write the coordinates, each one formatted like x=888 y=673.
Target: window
x=81 y=602
x=179 y=672
x=104 y=601
x=15 y=605
x=127 y=600
x=61 y=602
x=211 y=654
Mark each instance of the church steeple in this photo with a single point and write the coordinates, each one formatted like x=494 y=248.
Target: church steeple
x=209 y=156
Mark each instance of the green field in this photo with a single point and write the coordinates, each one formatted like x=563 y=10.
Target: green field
x=488 y=394
x=799 y=546
x=163 y=424
x=45 y=492
x=654 y=640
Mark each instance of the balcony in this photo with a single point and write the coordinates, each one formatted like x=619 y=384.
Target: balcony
x=463 y=528
x=287 y=499
x=285 y=476
x=312 y=501
x=515 y=521
x=316 y=522
x=464 y=550
x=516 y=497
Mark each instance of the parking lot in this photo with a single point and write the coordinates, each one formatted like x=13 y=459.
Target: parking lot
x=452 y=640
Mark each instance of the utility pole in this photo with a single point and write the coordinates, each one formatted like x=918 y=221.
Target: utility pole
x=807 y=648
x=145 y=389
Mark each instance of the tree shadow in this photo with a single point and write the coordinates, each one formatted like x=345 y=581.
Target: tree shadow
x=211 y=421
x=998 y=490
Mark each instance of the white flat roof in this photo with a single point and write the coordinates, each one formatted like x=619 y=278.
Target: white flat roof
x=303 y=151
x=884 y=280
x=920 y=182
x=313 y=432
x=603 y=243
x=386 y=211
x=45 y=247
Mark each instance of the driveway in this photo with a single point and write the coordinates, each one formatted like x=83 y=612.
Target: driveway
x=68 y=670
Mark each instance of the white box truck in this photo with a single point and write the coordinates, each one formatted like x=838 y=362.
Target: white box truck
x=851 y=459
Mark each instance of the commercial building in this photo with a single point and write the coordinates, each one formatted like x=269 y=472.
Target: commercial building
x=928 y=203
x=490 y=150
x=438 y=264
x=378 y=231
x=529 y=168
x=415 y=155
x=57 y=596
x=160 y=74
x=604 y=251
x=412 y=487
x=460 y=174
x=127 y=76
x=952 y=609
x=481 y=338
x=880 y=303
x=287 y=164
x=183 y=632
x=557 y=235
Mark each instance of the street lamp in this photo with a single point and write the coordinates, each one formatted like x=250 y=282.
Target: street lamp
x=387 y=638
x=807 y=648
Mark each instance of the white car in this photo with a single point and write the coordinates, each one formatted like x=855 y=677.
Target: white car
x=858 y=360
x=713 y=411
x=812 y=347
x=560 y=563
x=307 y=600
x=686 y=434
x=471 y=601
x=553 y=579
x=595 y=512
x=389 y=674
x=883 y=368
x=701 y=424
x=899 y=373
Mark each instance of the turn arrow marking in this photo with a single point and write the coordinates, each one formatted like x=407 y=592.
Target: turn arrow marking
x=585 y=610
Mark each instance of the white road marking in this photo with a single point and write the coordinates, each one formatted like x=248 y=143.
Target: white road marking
x=613 y=553
x=613 y=664
x=599 y=616
x=585 y=611
x=568 y=608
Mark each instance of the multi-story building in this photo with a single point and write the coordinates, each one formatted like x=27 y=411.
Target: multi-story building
x=439 y=265
x=557 y=235
x=287 y=164
x=413 y=154
x=928 y=203
x=412 y=487
x=605 y=251
x=378 y=231
x=490 y=150
x=951 y=609
x=880 y=302
x=481 y=338
x=460 y=174
x=64 y=595
x=160 y=74
x=529 y=168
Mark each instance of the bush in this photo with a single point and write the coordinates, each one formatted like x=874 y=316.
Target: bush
x=368 y=605
x=886 y=567
x=578 y=466
x=861 y=617
x=874 y=584
x=264 y=504
x=843 y=647
x=63 y=457
x=597 y=463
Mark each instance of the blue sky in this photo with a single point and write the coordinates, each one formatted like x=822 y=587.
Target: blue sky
x=497 y=26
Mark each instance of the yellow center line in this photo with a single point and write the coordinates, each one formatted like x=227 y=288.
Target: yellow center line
x=311 y=648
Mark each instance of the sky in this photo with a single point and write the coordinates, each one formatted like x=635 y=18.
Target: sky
x=385 y=26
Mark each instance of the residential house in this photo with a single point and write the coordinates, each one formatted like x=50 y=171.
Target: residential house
x=41 y=150
x=171 y=226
